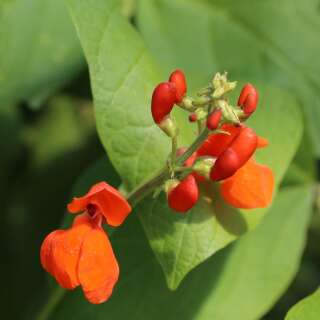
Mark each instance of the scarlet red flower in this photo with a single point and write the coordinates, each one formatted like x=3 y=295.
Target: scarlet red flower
x=235 y=155
x=248 y=99
x=82 y=256
x=178 y=78
x=215 y=144
x=163 y=100
x=184 y=195
x=245 y=184
x=250 y=187
x=103 y=199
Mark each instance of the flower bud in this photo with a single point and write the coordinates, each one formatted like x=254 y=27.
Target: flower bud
x=236 y=155
x=178 y=78
x=214 y=119
x=163 y=100
x=221 y=85
x=248 y=99
x=184 y=195
x=203 y=168
x=193 y=117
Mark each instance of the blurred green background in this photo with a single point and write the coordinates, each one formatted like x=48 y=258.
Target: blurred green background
x=48 y=133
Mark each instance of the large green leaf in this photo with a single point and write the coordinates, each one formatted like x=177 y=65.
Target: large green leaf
x=242 y=282
x=306 y=309
x=122 y=77
x=255 y=40
x=39 y=48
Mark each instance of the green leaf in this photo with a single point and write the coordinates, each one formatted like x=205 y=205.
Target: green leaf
x=122 y=79
x=39 y=48
x=123 y=76
x=242 y=282
x=251 y=40
x=306 y=309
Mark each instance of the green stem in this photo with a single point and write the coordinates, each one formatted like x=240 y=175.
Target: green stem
x=174 y=143
x=157 y=181
x=55 y=298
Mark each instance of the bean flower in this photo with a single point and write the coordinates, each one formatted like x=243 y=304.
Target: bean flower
x=82 y=255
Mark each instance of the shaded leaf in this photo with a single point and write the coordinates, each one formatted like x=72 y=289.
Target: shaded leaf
x=306 y=309
x=39 y=49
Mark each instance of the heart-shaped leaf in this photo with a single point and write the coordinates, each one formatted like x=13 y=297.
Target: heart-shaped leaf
x=123 y=75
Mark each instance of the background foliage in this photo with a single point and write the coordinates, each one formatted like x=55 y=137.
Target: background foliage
x=59 y=58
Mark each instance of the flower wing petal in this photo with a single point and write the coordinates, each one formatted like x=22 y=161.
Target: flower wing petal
x=98 y=269
x=250 y=187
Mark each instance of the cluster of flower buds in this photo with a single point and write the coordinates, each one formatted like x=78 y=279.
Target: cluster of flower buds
x=82 y=255
x=226 y=156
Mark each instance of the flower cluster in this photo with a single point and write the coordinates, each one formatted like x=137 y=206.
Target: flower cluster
x=226 y=156
x=222 y=153
x=82 y=255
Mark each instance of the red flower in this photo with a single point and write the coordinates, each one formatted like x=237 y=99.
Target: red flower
x=102 y=199
x=178 y=78
x=213 y=120
x=82 y=255
x=184 y=195
x=235 y=155
x=248 y=99
x=246 y=184
x=163 y=100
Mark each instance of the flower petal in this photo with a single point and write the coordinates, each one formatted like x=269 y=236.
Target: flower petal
x=217 y=143
x=98 y=270
x=250 y=187
x=262 y=142
x=65 y=254
x=46 y=251
x=110 y=202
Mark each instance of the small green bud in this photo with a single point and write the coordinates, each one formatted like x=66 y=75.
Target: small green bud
x=203 y=166
x=169 y=127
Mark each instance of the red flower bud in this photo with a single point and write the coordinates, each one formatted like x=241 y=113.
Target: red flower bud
x=248 y=99
x=178 y=78
x=185 y=195
x=236 y=155
x=163 y=100
x=214 y=120
x=193 y=117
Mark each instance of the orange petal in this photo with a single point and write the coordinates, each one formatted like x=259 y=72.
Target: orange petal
x=110 y=202
x=262 y=142
x=65 y=254
x=250 y=187
x=98 y=270
x=46 y=251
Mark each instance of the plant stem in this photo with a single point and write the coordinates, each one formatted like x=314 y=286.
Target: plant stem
x=55 y=298
x=174 y=143
x=157 y=181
